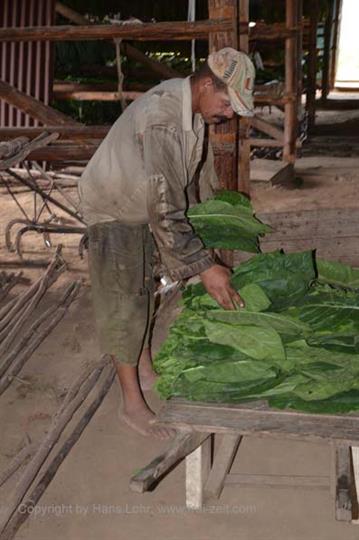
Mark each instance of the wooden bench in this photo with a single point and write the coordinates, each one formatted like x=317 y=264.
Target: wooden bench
x=198 y=423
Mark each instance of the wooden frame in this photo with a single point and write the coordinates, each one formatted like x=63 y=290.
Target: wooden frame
x=206 y=477
x=227 y=26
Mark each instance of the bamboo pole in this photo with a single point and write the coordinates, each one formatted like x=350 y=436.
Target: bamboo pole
x=312 y=63
x=290 y=108
x=103 y=386
x=76 y=395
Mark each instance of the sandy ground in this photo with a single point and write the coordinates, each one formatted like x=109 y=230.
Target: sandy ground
x=90 y=498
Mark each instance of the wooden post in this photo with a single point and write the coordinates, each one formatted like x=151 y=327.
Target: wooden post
x=333 y=55
x=244 y=124
x=224 y=136
x=290 y=108
x=198 y=465
x=326 y=56
x=299 y=77
x=312 y=63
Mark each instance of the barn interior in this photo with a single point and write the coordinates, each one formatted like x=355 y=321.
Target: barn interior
x=68 y=70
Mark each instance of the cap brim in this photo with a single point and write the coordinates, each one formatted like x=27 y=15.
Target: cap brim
x=242 y=105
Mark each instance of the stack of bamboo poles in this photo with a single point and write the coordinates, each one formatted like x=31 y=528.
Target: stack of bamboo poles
x=20 y=333
x=40 y=461
x=89 y=389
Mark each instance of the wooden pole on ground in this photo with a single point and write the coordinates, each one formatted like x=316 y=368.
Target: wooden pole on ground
x=290 y=108
x=312 y=63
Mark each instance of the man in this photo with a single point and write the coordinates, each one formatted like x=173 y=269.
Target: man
x=134 y=195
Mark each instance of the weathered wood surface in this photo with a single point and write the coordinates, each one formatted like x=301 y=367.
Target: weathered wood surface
x=306 y=224
x=198 y=466
x=65 y=152
x=33 y=107
x=64 y=131
x=221 y=465
x=264 y=422
x=343 y=502
x=272 y=172
x=156 y=67
x=279 y=480
x=23 y=151
x=161 y=31
x=184 y=443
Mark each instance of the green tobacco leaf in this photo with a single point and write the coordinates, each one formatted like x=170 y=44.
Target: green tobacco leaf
x=283 y=324
x=255 y=341
x=254 y=297
x=338 y=274
x=227 y=222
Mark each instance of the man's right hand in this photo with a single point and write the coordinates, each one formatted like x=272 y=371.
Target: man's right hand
x=216 y=281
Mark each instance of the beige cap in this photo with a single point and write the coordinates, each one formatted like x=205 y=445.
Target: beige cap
x=237 y=71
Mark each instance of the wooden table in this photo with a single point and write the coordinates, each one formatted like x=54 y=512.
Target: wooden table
x=197 y=424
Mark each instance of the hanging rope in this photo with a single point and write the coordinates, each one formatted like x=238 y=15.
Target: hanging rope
x=191 y=17
x=120 y=75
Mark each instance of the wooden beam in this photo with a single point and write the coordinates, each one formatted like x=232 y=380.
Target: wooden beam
x=248 y=419
x=97 y=95
x=244 y=152
x=221 y=466
x=312 y=63
x=62 y=152
x=328 y=27
x=161 y=31
x=23 y=152
x=156 y=67
x=268 y=128
x=72 y=132
x=184 y=443
x=343 y=503
x=334 y=48
x=290 y=108
x=33 y=107
x=198 y=464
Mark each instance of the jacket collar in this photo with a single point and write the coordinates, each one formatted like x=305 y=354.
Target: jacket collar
x=190 y=123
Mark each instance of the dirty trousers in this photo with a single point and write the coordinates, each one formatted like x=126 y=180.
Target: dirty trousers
x=122 y=285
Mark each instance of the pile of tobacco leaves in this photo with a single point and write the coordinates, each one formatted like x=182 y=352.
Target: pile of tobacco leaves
x=296 y=342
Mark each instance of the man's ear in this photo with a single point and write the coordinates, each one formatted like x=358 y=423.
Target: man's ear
x=207 y=84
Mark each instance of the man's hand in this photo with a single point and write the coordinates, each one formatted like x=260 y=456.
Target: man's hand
x=216 y=281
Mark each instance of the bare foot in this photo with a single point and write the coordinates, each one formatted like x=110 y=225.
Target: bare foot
x=141 y=420
x=147 y=379
x=147 y=375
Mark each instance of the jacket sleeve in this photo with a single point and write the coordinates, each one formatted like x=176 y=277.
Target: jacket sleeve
x=181 y=250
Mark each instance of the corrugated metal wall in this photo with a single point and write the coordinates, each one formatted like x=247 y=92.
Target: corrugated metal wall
x=27 y=66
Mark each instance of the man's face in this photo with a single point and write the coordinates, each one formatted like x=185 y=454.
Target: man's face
x=215 y=105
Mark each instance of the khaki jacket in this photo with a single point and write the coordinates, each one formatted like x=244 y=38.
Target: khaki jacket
x=148 y=169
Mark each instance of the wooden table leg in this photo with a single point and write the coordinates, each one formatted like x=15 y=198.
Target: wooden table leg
x=221 y=465
x=355 y=457
x=198 y=465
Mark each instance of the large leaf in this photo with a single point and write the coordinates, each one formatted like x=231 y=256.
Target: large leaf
x=227 y=222
x=338 y=274
x=255 y=341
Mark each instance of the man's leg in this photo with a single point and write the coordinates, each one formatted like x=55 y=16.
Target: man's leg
x=146 y=372
x=135 y=411
x=122 y=297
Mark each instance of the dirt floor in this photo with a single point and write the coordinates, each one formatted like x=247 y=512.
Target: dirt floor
x=89 y=497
